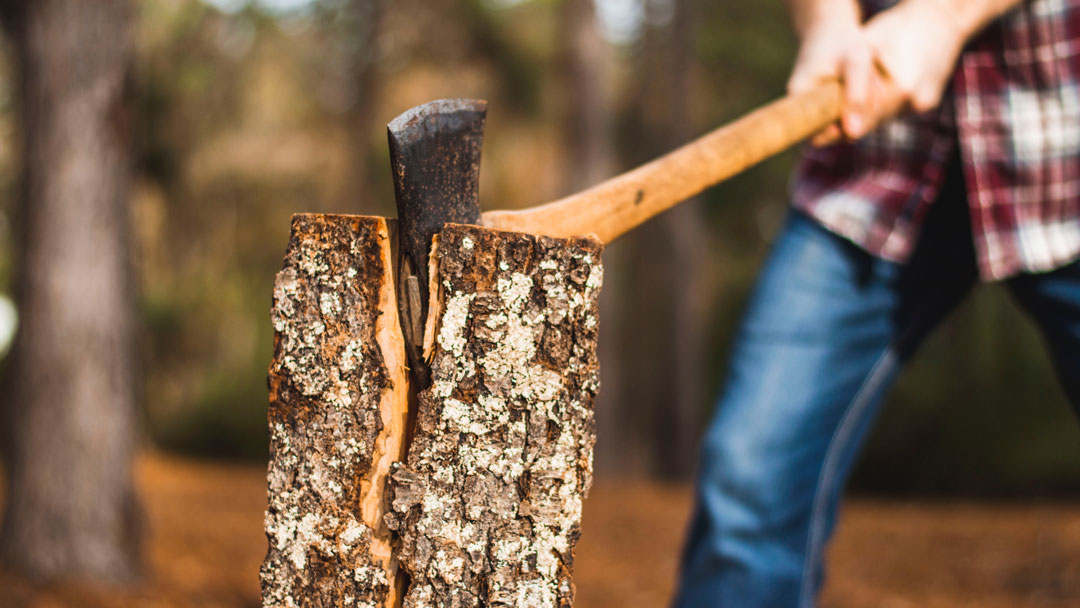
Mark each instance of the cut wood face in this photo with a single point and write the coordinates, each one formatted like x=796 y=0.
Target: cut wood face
x=485 y=508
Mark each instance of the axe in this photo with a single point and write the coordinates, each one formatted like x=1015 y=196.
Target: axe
x=435 y=158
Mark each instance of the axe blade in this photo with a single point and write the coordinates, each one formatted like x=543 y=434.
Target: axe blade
x=435 y=158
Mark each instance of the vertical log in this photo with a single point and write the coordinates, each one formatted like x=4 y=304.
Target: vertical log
x=337 y=416
x=489 y=503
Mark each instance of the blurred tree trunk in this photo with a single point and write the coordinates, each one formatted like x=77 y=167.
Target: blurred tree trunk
x=364 y=19
x=689 y=240
x=70 y=500
x=587 y=101
x=586 y=107
x=667 y=295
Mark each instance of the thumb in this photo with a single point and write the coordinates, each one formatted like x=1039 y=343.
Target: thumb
x=804 y=77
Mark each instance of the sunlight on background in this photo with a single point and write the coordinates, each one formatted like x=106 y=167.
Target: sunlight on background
x=620 y=21
x=9 y=321
x=279 y=7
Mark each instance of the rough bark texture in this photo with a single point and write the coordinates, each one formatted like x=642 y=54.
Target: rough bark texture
x=489 y=503
x=337 y=416
x=71 y=401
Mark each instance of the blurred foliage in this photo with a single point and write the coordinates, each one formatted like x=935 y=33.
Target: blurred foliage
x=979 y=411
x=248 y=117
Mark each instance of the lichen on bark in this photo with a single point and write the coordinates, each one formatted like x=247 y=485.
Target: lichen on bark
x=488 y=505
x=335 y=381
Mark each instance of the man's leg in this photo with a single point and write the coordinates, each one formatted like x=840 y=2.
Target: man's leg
x=1053 y=302
x=824 y=336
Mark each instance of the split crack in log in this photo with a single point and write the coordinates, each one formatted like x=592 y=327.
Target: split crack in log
x=486 y=507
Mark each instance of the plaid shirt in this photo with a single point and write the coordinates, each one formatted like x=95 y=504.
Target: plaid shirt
x=1014 y=107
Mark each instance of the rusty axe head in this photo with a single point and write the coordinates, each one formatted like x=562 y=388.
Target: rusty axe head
x=435 y=158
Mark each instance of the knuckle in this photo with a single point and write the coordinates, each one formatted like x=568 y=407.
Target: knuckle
x=906 y=91
x=924 y=100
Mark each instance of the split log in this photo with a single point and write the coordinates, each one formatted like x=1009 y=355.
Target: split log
x=337 y=416
x=488 y=505
x=486 y=509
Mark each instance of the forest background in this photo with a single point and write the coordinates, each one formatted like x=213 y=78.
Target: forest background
x=248 y=112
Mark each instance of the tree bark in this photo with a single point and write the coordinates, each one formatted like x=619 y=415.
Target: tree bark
x=338 y=408
x=488 y=505
x=72 y=401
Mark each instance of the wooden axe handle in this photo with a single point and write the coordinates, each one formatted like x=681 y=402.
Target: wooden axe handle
x=610 y=208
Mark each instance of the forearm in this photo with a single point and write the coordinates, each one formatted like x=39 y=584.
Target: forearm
x=808 y=14
x=968 y=16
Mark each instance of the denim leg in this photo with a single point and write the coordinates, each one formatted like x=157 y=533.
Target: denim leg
x=1052 y=300
x=823 y=337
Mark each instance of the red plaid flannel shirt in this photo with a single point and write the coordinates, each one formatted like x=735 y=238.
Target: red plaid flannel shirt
x=1014 y=108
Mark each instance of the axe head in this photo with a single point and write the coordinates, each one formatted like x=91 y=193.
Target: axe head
x=435 y=158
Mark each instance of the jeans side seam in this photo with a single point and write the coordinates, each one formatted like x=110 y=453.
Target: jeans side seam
x=839 y=440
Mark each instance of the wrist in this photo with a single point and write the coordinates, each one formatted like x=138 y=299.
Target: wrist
x=966 y=17
x=809 y=17
x=957 y=16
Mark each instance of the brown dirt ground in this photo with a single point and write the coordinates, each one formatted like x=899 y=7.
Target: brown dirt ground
x=205 y=543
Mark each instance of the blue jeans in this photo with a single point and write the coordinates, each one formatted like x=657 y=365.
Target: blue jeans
x=826 y=332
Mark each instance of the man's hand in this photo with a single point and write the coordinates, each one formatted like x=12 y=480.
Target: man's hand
x=916 y=45
x=900 y=59
x=833 y=46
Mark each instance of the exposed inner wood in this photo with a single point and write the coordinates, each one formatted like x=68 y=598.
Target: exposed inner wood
x=394 y=412
x=434 y=301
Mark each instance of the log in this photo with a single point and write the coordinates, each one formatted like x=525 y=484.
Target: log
x=488 y=505
x=337 y=417
x=485 y=510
